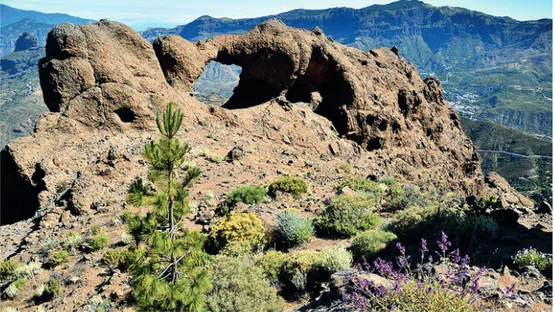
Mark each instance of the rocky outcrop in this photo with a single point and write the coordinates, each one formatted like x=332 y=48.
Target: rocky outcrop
x=25 y=42
x=103 y=84
x=507 y=196
x=374 y=98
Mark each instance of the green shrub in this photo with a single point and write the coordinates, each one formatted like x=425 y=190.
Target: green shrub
x=113 y=258
x=385 y=192
x=14 y=288
x=293 y=229
x=97 y=304
x=7 y=267
x=54 y=287
x=212 y=157
x=245 y=227
x=99 y=242
x=335 y=259
x=369 y=243
x=47 y=292
x=74 y=240
x=240 y=286
x=28 y=271
x=299 y=268
x=412 y=196
x=95 y=229
x=292 y=185
x=271 y=264
x=237 y=249
x=345 y=167
x=48 y=245
x=58 y=257
x=358 y=184
x=532 y=257
x=126 y=238
x=415 y=222
x=346 y=216
x=252 y=194
x=478 y=229
x=394 y=194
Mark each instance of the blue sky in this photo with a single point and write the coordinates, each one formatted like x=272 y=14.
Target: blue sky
x=141 y=14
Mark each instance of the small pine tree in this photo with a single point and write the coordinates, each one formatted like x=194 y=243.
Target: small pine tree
x=167 y=264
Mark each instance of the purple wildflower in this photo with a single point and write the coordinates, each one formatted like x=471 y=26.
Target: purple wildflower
x=455 y=256
x=423 y=248
x=397 y=286
x=474 y=285
x=444 y=244
x=400 y=247
x=384 y=268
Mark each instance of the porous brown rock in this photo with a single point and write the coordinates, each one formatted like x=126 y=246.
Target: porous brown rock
x=506 y=195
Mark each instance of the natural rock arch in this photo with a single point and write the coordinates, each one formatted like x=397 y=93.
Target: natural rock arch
x=295 y=65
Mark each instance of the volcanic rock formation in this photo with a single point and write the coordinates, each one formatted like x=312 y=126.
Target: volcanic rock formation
x=25 y=42
x=103 y=84
x=305 y=105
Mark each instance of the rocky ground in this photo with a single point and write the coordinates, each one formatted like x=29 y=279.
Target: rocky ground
x=305 y=106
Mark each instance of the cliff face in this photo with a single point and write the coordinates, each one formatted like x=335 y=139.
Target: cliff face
x=103 y=84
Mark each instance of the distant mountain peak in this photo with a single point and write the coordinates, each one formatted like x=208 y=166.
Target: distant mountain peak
x=25 y=42
x=10 y=15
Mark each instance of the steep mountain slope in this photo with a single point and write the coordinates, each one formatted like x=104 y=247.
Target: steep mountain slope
x=21 y=100
x=525 y=161
x=505 y=63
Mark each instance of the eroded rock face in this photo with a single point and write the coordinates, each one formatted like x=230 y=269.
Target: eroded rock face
x=103 y=84
x=374 y=98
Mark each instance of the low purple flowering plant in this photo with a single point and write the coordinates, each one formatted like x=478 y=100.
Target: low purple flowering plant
x=442 y=283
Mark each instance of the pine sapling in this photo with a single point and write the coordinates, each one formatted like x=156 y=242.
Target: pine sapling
x=167 y=263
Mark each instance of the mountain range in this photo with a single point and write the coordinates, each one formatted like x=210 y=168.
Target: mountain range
x=13 y=22
x=492 y=68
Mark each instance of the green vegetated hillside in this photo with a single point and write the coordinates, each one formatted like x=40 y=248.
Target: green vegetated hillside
x=219 y=90
x=21 y=101
x=493 y=68
x=530 y=175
